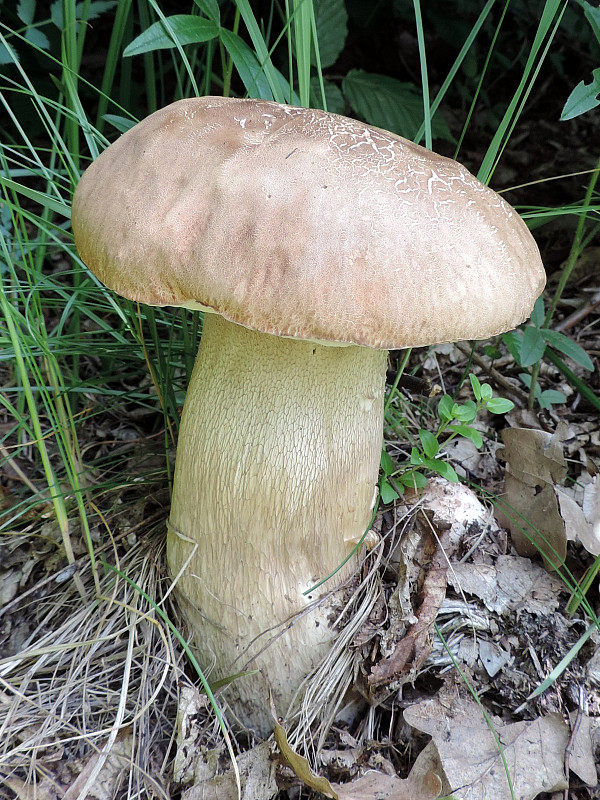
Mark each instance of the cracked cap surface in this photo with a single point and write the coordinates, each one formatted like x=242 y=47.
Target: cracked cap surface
x=301 y=223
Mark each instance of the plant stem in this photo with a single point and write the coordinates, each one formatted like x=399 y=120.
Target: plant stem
x=567 y=270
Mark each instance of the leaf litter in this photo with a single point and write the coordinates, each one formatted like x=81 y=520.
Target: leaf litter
x=493 y=609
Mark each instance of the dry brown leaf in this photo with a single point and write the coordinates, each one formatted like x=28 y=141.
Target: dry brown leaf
x=373 y=785
x=534 y=465
x=9 y=585
x=582 y=761
x=582 y=523
x=511 y=584
x=456 y=507
x=113 y=766
x=378 y=786
x=257 y=774
x=414 y=648
x=45 y=789
x=192 y=763
x=471 y=758
x=299 y=765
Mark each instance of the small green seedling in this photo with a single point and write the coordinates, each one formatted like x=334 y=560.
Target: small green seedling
x=455 y=420
x=528 y=345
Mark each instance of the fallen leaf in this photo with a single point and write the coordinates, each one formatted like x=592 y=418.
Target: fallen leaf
x=471 y=757
x=373 y=785
x=109 y=769
x=299 y=765
x=592 y=668
x=257 y=776
x=378 y=786
x=492 y=657
x=192 y=763
x=534 y=465
x=591 y=503
x=456 y=507
x=582 y=523
x=582 y=761
x=511 y=584
x=411 y=652
x=9 y=585
x=45 y=789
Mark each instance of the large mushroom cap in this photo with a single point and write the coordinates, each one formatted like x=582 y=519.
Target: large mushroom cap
x=302 y=223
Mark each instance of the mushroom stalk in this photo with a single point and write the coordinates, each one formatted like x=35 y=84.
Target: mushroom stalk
x=275 y=480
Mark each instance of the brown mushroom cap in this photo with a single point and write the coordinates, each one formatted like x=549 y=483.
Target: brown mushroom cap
x=302 y=223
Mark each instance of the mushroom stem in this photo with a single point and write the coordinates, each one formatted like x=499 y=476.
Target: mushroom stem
x=275 y=479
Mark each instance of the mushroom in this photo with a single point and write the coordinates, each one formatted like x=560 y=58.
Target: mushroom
x=313 y=243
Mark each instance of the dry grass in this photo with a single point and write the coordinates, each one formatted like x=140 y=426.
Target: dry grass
x=93 y=678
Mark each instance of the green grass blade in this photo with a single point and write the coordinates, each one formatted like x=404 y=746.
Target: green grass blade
x=261 y=49
x=547 y=27
x=43 y=199
x=424 y=78
x=303 y=26
x=457 y=63
x=117 y=37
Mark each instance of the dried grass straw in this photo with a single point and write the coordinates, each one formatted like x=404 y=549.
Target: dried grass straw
x=94 y=684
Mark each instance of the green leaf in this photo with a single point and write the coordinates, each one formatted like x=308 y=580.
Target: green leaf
x=44 y=199
x=486 y=392
x=37 y=38
x=248 y=66
x=91 y=10
x=8 y=54
x=431 y=446
x=469 y=433
x=56 y=14
x=532 y=347
x=387 y=464
x=387 y=103
x=331 y=21
x=551 y=397
x=514 y=342
x=95 y=9
x=26 y=11
x=574 y=380
x=538 y=314
x=526 y=378
x=583 y=98
x=445 y=407
x=442 y=468
x=475 y=385
x=122 y=124
x=211 y=9
x=182 y=28
x=567 y=346
x=413 y=479
x=465 y=412
x=263 y=55
x=592 y=14
x=333 y=96
x=388 y=494
x=416 y=458
x=500 y=405
x=491 y=351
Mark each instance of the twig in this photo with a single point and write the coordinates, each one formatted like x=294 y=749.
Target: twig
x=493 y=373
x=580 y=314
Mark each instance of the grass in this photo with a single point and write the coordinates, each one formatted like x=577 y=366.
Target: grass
x=92 y=384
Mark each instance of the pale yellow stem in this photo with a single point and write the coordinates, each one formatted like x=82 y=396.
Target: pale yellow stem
x=275 y=480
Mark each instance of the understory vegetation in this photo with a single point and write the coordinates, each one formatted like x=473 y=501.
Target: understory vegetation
x=93 y=659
